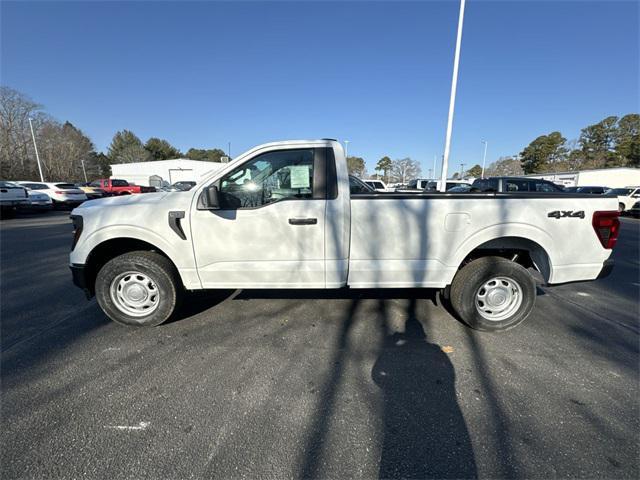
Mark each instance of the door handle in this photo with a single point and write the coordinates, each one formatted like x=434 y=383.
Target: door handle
x=303 y=221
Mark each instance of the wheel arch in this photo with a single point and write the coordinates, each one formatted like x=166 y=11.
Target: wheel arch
x=111 y=248
x=521 y=250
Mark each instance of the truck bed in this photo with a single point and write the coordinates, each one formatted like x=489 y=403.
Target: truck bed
x=420 y=240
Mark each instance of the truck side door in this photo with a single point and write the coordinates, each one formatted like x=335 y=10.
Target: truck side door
x=270 y=228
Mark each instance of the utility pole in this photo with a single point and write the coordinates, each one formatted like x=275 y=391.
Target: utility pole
x=35 y=147
x=83 y=170
x=484 y=157
x=452 y=99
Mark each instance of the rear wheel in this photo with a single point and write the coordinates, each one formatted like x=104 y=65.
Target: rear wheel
x=493 y=293
x=138 y=288
x=621 y=207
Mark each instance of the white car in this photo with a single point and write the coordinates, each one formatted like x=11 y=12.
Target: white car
x=282 y=215
x=378 y=185
x=627 y=196
x=60 y=193
x=12 y=196
x=39 y=200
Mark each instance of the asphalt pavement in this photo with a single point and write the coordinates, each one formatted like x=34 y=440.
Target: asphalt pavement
x=286 y=384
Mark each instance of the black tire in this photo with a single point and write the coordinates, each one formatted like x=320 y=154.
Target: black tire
x=7 y=212
x=158 y=269
x=621 y=207
x=469 y=281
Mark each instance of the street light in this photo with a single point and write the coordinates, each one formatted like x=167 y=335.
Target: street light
x=346 y=148
x=484 y=157
x=36 y=149
x=452 y=100
x=83 y=170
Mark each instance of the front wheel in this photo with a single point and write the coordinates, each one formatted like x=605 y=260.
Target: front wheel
x=138 y=288
x=493 y=293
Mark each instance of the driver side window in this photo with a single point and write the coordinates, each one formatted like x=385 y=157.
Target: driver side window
x=269 y=178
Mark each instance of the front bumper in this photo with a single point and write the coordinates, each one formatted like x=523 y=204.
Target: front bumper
x=79 y=275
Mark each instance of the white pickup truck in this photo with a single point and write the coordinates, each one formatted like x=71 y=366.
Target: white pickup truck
x=282 y=215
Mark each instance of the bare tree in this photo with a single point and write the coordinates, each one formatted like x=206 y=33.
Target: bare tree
x=504 y=166
x=16 y=149
x=405 y=169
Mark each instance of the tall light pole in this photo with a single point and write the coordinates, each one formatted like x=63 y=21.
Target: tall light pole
x=35 y=147
x=461 y=169
x=484 y=157
x=429 y=173
x=346 y=148
x=83 y=170
x=452 y=100
x=229 y=151
x=435 y=159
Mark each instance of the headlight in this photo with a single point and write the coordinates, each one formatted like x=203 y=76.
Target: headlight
x=77 y=229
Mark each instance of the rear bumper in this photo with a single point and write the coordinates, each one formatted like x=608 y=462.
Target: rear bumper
x=79 y=275
x=607 y=267
x=14 y=203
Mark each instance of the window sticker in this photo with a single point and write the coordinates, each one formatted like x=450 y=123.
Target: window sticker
x=299 y=176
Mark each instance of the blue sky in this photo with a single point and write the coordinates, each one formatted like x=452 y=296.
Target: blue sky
x=376 y=73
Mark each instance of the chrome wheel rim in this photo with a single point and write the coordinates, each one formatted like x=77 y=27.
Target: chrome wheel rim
x=134 y=294
x=498 y=298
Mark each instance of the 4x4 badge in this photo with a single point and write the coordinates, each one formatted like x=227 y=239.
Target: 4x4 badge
x=566 y=213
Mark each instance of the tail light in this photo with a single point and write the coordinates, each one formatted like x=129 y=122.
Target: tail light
x=607 y=227
x=77 y=229
x=60 y=192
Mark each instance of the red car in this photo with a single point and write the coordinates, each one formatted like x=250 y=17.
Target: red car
x=119 y=187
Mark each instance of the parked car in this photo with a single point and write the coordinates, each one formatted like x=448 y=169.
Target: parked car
x=592 y=190
x=634 y=211
x=627 y=196
x=434 y=186
x=358 y=186
x=417 y=185
x=92 y=192
x=183 y=186
x=12 y=196
x=462 y=188
x=515 y=184
x=120 y=187
x=61 y=194
x=378 y=185
x=282 y=216
x=39 y=200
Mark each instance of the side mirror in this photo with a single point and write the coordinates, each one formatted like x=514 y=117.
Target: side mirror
x=211 y=198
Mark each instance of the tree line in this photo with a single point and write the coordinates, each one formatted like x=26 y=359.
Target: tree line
x=612 y=142
x=65 y=151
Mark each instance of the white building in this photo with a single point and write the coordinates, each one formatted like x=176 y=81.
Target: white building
x=163 y=172
x=605 y=177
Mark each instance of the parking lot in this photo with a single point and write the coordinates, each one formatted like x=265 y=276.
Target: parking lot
x=313 y=384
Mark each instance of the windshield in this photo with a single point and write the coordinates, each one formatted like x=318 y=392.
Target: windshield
x=619 y=191
x=66 y=186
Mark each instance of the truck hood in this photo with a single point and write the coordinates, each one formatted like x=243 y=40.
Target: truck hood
x=137 y=199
